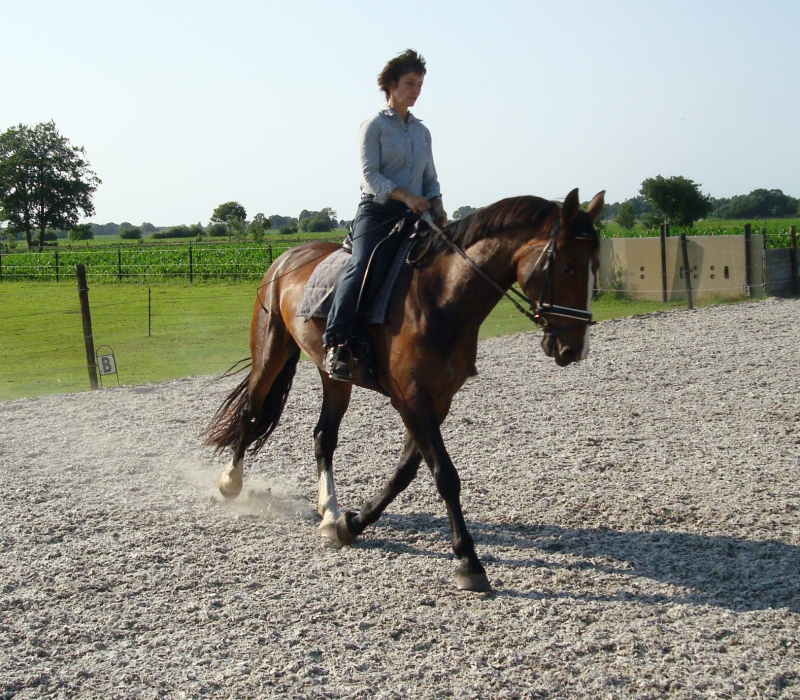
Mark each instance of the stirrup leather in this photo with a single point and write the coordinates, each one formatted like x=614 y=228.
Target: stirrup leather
x=339 y=362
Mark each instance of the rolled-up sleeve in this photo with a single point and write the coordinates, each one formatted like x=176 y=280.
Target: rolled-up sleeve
x=430 y=181
x=369 y=153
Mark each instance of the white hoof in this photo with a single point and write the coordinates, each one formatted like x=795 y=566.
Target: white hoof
x=230 y=481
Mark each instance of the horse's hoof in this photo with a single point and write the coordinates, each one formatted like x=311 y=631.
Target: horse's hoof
x=479 y=583
x=328 y=532
x=343 y=533
x=229 y=486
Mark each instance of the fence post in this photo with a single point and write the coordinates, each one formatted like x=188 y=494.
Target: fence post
x=663 y=237
x=119 y=264
x=86 y=317
x=687 y=278
x=191 y=267
x=747 y=261
x=666 y=230
x=793 y=255
x=270 y=253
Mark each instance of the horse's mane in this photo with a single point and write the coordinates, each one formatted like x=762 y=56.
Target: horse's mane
x=505 y=214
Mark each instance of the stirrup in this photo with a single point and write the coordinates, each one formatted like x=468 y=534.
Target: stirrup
x=338 y=362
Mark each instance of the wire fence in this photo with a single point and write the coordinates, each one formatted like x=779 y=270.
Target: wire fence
x=129 y=264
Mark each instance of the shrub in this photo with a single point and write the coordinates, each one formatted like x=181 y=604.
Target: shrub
x=131 y=234
x=218 y=230
x=288 y=230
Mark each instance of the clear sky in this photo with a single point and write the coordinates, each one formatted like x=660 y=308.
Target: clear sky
x=184 y=105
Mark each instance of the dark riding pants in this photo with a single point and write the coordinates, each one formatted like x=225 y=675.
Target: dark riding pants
x=372 y=224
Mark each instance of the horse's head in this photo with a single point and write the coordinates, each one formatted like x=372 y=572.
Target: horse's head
x=558 y=277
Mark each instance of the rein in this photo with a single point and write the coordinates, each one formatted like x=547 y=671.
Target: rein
x=535 y=314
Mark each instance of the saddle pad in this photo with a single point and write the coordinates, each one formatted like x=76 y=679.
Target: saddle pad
x=317 y=297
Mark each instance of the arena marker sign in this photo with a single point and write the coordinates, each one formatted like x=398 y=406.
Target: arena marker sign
x=107 y=363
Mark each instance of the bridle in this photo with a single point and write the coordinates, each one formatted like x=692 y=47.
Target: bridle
x=546 y=305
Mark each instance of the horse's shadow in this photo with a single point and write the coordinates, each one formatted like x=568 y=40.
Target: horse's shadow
x=738 y=574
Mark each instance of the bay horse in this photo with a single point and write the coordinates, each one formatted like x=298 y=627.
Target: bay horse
x=424 y=352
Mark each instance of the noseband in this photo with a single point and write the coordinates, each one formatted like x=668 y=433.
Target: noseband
x=537 y=313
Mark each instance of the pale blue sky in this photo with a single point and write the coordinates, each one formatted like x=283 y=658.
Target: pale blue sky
x=184 y=105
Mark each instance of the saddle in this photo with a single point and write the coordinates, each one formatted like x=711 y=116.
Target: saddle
x=383 y=271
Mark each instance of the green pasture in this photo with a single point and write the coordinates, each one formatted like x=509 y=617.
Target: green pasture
x=197 y=329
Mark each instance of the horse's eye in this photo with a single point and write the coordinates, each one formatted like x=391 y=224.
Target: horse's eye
x=569 y=269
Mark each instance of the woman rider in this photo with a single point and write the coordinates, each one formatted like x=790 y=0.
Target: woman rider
x=397 y=174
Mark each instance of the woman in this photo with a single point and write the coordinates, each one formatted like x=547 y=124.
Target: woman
x=397 y=175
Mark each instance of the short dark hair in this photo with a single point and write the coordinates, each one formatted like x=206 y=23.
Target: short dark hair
x=407 y=62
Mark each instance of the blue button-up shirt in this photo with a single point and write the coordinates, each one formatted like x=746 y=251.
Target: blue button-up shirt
x=395 y=153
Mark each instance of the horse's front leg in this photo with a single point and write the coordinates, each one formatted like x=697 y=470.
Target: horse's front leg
x=351 y=524
x=424 y=428
x=335 y=400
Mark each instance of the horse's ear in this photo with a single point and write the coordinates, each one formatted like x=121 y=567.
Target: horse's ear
x=570 y=207
x=595 y=207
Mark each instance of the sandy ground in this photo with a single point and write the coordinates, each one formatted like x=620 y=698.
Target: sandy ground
x=637 y=514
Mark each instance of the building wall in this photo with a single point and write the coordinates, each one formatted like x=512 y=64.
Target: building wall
x=717 y=265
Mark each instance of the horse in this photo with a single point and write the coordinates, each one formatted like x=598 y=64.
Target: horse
x=424 y=352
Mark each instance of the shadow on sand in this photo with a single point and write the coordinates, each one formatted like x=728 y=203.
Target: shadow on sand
x=727 y=572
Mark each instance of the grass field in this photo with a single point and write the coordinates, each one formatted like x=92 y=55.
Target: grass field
x=196 y=330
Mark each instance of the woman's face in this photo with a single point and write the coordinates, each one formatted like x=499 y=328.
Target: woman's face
x=406 y=90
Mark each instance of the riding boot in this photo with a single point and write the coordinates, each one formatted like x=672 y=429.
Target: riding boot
x=338 y=362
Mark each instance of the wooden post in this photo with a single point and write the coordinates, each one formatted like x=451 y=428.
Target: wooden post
x=747 y=261
x=663 y=263
x=666 y=230
x=686 y=271
x=793 y=254
x=86 y=317
x=191 y=269
x=270 y=253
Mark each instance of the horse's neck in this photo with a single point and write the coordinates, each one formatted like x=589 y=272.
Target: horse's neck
x=465 y=289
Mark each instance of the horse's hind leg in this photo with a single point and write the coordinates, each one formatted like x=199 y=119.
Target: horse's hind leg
x=350 y=525
x=254 y=408
x=335 y=400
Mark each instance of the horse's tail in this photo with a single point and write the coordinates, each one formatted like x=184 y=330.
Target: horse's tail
x=230 y=425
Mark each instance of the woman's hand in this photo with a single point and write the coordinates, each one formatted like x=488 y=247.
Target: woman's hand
x=414 y=203
x=439 y=214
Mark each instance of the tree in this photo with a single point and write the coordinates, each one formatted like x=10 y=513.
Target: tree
x=759 y=204
x=625 y=216
x=147 y=227
x=44 y=180
x=463 y=212
x=678 y=198
x=131 y=234
x=217 y=230
x=237 y=229
x=258 y=228
x=317 y=221
x=227 y=211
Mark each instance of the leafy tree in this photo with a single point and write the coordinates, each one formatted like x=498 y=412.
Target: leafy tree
x=237 y=229
x=759 y=204
x=147 y=227
x=678 y=198
x=463 y=212
x=131 y=234
x=11 y=239
x=258 y=228
x=625 y=216
x=317 y=221
x=44 y=181
x=227 y=211
x=81 y=232
x=277 y=221
x=288 y=230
